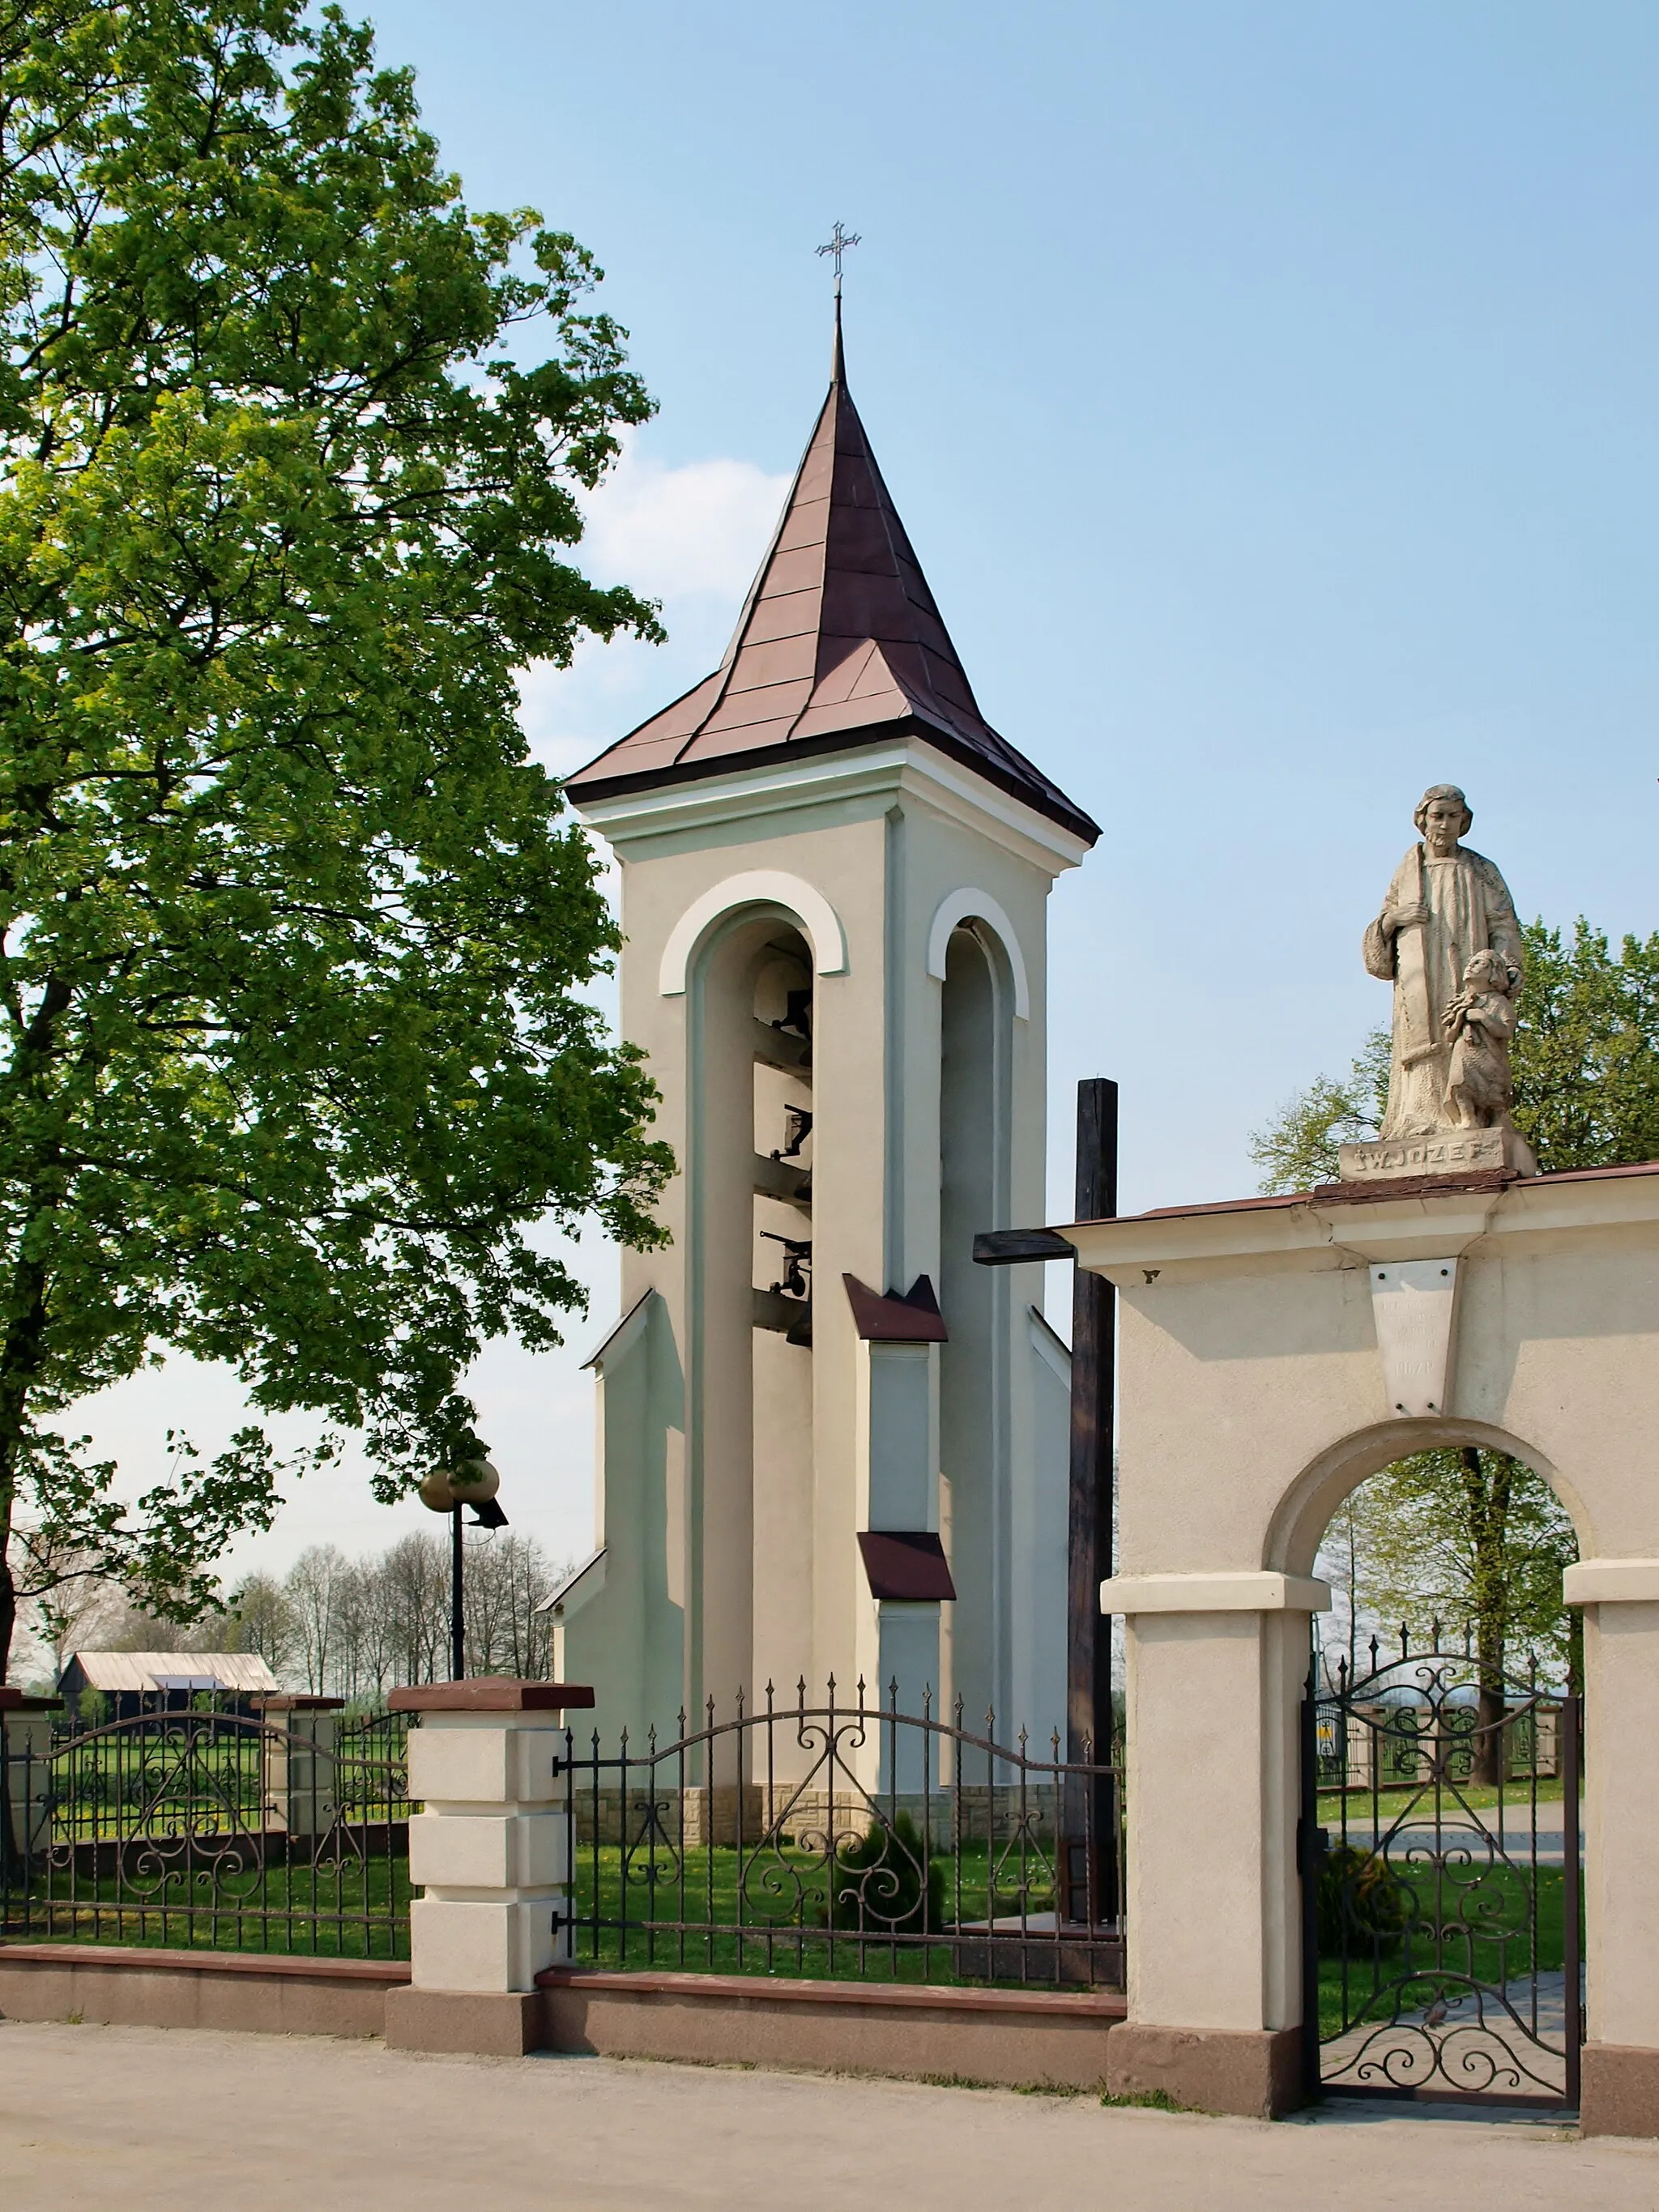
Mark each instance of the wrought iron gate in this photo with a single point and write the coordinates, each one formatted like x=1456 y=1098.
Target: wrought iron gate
x=1443 y=1953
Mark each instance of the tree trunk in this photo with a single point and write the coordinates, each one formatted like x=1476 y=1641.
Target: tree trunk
x=1487 y=1480
x=19 y=1364
x=7 y=1589
x=25 y=1345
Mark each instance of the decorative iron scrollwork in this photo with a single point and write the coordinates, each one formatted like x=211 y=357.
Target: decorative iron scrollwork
x=1443 y=1929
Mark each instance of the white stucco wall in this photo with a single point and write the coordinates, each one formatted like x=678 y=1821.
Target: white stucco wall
x=884 y=841
x=1252 y=1399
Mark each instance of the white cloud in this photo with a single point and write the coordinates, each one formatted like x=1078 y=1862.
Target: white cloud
x=693 y=531
x=691 y=537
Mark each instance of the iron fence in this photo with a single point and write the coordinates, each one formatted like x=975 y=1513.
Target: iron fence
x=846 y=1841
x=208 y=1828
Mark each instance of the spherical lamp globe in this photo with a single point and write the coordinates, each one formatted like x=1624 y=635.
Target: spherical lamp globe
x=473 y=1483
x=436 y=1492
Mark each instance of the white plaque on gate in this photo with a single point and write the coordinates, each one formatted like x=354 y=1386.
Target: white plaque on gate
x=1412 y=1303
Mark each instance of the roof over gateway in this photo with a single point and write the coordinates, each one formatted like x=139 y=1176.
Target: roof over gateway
x=839 y=645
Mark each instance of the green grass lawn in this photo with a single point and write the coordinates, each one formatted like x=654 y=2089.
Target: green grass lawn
x=362 y=1911
x=358 y=1910
x=1516 y=1797
x=779 y=1925
x=113 y=1786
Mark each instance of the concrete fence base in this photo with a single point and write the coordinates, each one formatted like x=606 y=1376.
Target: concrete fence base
x=253 y=1994
x=489 y=2023
x=1619 y=2090
x=1076 y=2039
x=1057 y=2038
x=1254 y=2073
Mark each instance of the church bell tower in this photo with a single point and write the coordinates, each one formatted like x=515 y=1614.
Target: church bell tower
x=829 y=1443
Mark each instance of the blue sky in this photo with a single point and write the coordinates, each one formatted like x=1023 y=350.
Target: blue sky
x=1270 y=394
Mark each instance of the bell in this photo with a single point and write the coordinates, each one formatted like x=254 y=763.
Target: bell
x=797 y=1128
x=797 y=1017
x=797 y=1258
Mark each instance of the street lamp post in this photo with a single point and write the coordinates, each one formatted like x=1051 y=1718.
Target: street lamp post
x=457 y=1598
x=450 y=1489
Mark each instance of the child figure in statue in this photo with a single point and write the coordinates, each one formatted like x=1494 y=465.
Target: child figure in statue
x=1479 y=1021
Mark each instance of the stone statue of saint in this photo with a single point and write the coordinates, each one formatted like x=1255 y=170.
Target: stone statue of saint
x=1445 y=907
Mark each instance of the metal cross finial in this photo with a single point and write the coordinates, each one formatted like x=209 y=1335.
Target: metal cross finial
x=840 y=240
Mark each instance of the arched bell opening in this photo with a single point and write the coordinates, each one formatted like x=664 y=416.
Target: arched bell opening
x=782 y=1278
x=976 y=1052
x=749 y=1318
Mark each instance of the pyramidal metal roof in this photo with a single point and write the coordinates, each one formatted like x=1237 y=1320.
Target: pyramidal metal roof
x=839 y=644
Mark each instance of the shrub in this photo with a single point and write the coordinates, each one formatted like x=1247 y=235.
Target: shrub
x=886 y=1884
x=1363 y=1903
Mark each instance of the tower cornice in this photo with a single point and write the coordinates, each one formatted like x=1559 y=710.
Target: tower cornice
x=902 y=767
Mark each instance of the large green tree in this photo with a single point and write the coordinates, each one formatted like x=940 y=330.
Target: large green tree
x=295 y=1046
x=1471 y=1536
x=1466 y=1537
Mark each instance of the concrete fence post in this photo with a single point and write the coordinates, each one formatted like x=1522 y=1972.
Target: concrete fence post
x=1618 y=2092
x=300 y=1759
x=489 y=1851
x=26 y=1733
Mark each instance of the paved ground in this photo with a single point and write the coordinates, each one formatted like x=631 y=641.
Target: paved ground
x=1481 y=2042
x=142 y=2117
x=1512 y=1830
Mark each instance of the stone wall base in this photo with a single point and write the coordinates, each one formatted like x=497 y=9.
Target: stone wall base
x=118 y=1986
x=1013 y=2037
x=1619 y=2090
x=1254 y=2072
x=1009 y=2037
x=493 y=2023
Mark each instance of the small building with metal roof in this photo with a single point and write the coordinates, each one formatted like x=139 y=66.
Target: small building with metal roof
x=150 y=1681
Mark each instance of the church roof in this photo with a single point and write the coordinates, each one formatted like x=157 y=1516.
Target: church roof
x=839 y=645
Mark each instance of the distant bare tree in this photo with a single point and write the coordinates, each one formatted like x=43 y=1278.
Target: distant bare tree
x=339 y=1626
x=261 y=1618
x=313 y=1590
x=416 y=1592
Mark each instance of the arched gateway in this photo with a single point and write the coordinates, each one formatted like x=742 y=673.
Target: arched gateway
x=1273 y=1352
